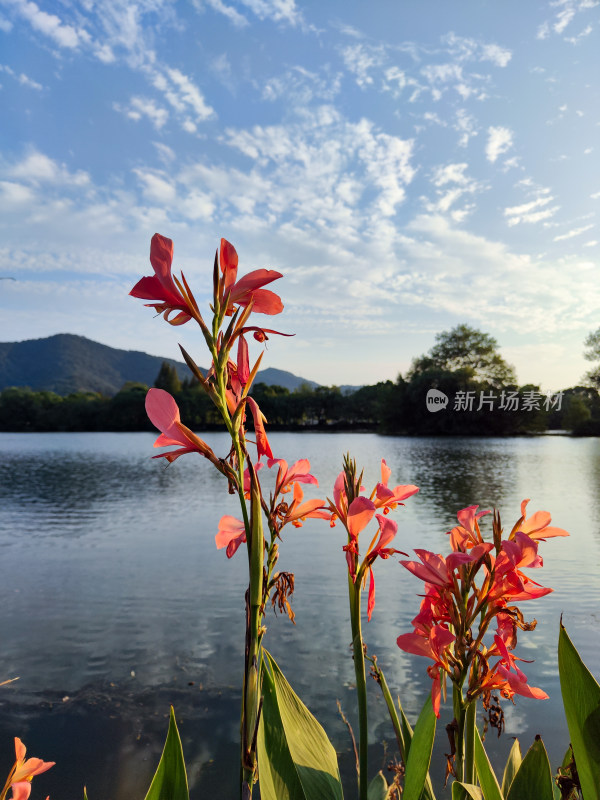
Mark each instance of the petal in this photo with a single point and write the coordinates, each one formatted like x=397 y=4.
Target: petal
x=385 y=472
x=254 y=280
x=243 y=364
x=388 y=529
x=262 y=443
x=265 y=302
x=360 y=513
x=20 y=749
x=162 y=411
x=416 y=644
x=371 y=600
x=161 y=258
x=231 y=534
x=21 y=790
x=228 y=259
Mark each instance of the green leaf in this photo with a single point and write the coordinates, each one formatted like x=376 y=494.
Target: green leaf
x=474 y=792
x=170 y=779
x=534 y=776
x=513 y=762
x=581 y=699
x=485 y=773
x=407 y=735
x=378 y=788
x=296 y=760
x=419 y=755
x=85 y=797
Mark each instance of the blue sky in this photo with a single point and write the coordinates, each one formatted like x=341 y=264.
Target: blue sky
x=408 y=166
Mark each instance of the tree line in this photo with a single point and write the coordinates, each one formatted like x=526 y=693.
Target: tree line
x=462 y=386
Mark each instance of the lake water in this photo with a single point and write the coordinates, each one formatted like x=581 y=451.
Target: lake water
x=115 y=602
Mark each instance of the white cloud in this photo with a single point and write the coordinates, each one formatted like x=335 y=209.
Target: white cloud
x=500 y=140
x=190 y=95
x=451 y=173
x=38 y=168
x=156 y=186
x=239 y=20
x=302 y=86
x=442 y=73
x=14 y=194
x=563 y=19
x=105 y=54
x=466 y=125
x=165 y=153
x=532 y=212
x=62 y=34
x=23 y=79
x=500 y=56
x=140 y=107
x=275 y=10
x=360 y=59
x=574 y=232
x=5 y=24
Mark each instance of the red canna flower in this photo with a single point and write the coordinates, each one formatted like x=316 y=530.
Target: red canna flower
x=467 y=533
x=389 y=498
x=298 y=511
x=23 y=771
x=163 y=413
x=247 y=289
x=232 y=533
x=437 y=570
x=378 y=547
x=286 y=476
x=538 y=525
x=433 y=643
x=162 y=288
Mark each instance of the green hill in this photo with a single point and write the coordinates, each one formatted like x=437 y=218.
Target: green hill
x=66 y=363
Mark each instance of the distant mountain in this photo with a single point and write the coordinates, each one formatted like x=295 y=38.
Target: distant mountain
x=279 y=377
x=67 y=363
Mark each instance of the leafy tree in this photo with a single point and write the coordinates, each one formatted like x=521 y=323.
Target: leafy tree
x=168 y=379
x=469 y=351
x=593 y=354
x=576 y=413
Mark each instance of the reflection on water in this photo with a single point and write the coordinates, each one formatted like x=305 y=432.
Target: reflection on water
x=115 y=597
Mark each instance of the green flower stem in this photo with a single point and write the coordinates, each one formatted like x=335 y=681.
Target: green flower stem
x=465 y=715
x=459 y=716
x=361 y=686
x=251 y=692
x=469 y=764
x=387 y=696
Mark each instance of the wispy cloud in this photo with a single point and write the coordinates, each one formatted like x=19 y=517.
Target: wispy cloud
x=23 y=79
x=140 y=107
x=500 y=140
x=50 y=25
x=38 y=168
x=573 y=232
x=534 y=211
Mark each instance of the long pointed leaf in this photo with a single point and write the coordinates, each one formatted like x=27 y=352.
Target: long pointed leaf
x=419 y=755
x=170 y=779
x=276 y=771
x=293 y=748
x=407 y=735
x=485 y=773
x=378 y=788
x=513 y=762
x=534 y=777
x=581 y=699
x=474 y=792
